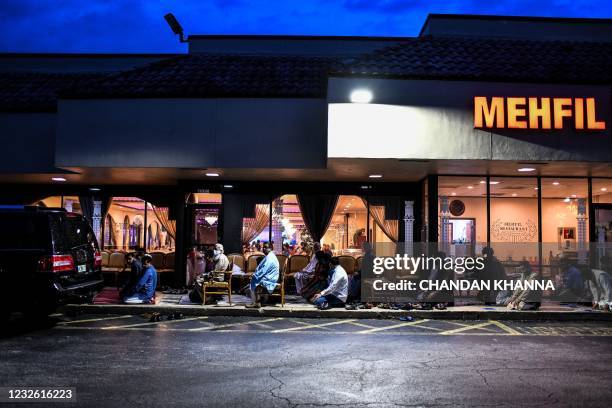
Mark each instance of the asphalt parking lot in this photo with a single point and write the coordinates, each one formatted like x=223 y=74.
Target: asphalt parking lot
x=126 y=360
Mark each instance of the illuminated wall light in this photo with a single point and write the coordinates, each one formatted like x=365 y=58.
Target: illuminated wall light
x=375 y=176
x=60 y=179
x=212 y=174
x=603 y=189
x=482 y=182
x=574 y=195
x=494 y=182
x=453 y=193
x=470 y=187
x=566 y=200
x=514 y=194
x=555 y=183
x=526 y=169
x=361 y=96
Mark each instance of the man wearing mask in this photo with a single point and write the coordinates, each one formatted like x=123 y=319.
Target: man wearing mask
x=266 y=275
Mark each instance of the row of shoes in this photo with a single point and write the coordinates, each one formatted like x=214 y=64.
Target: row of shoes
x=171 y=291
x=157 y=317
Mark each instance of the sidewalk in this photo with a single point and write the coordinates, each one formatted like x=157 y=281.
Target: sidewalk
x=296 y=308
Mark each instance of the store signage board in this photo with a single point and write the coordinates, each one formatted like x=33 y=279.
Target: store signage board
x=543 y=113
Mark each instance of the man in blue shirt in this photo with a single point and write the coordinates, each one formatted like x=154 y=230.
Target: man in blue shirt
x=337 y=290
x=144 y=290
x=266 y=275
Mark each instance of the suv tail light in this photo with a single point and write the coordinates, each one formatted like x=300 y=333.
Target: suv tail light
x=56 y=263
x=97 y=259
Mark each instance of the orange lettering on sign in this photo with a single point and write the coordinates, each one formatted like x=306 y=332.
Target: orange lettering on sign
x=592 y=123
x=535 y=113
x=560 y=111
x=493 y=115
x=579 y=113
x=542 y=111
x=516 y=110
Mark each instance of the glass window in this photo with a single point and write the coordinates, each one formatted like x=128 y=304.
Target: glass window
x=347 y=230
x=514 y=218
x=288 y=228
x=565 y=223
x=256 y=229
x=462 y=209
x=126 y=216
x=602 y=191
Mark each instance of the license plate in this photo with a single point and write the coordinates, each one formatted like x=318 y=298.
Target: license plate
x=82 y=268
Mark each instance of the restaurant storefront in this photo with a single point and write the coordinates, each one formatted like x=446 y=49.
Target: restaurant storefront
x=451 y=139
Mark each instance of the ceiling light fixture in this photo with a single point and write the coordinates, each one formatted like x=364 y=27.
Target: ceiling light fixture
x=361 y=96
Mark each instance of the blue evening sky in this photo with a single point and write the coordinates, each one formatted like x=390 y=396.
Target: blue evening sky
x=138 y=25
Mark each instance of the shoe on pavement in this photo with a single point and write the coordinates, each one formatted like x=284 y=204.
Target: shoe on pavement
x=253 y=305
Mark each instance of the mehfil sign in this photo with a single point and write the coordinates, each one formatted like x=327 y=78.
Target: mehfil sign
x=536 y=113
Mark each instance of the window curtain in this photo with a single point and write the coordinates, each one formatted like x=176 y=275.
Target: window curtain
x=389 y=227
x=87 y=208
x=317 y=211
x=163 y=216
x=112 y=233
x=252 y=227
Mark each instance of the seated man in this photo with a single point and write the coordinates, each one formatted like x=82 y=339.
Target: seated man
x=600 y=285
x=143 y=292
x=572 y=284
x=335 y=294
x=134 y=275
x=265 y=276
x=525 y=299
x=303 y=276
x=220 y=264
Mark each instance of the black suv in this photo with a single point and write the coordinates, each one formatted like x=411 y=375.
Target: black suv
x=48 y=257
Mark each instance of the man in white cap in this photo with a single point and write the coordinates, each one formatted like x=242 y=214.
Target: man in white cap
x=221 y=263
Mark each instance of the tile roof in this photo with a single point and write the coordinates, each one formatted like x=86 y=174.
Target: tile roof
x=488 y=59
x=202 y=76
x=37 y=91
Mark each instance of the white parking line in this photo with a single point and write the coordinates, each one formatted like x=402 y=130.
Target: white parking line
x=466 y=328
x=394 y=326
x=100 y=319
x=313 y=326
x=221 y=326
x=153 y=323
